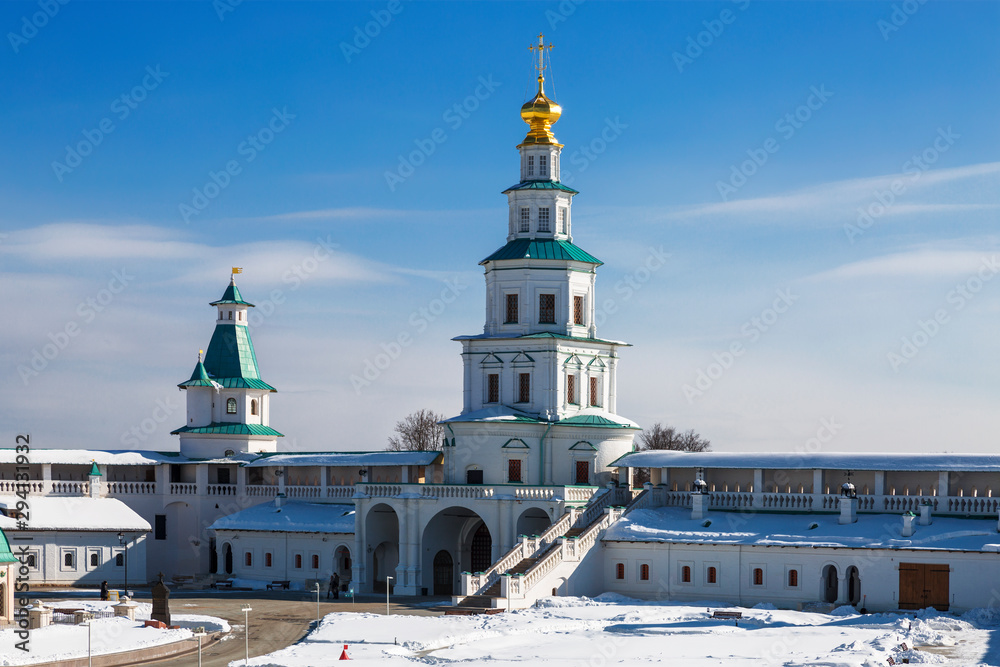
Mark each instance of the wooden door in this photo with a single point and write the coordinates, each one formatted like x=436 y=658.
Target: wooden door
x=482 y=549
x=936 y=586
x=924 y=585
x=583 y=472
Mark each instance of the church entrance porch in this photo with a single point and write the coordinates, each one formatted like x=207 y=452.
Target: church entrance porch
x=455 y=540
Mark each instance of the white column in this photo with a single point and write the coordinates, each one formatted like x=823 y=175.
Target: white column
x=943 y=484
x=360 y=555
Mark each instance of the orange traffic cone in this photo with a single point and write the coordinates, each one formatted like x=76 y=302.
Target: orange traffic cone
x=343 y=654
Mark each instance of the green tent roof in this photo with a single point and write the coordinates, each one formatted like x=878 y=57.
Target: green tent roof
x=542 y=249
x=5 y=554
x=232 y=295
x=94 y=470
x=230 y=353
x=591 y=420
x=541 y=185
x=199 y=378
x=225 y=428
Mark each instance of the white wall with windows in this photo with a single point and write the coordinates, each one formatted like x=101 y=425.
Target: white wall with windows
x=79 y=558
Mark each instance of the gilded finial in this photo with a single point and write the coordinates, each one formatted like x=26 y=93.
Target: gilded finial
x=540 y=47
x=200 y=352
x=540 y=112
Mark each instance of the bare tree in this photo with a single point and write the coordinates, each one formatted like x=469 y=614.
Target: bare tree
x=667 y=437
x=420 y=431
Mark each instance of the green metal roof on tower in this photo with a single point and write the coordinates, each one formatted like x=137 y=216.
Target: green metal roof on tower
x=5 y=553
x=232 y=295
x=94 y=471
x=199 y=378
x=542 y=248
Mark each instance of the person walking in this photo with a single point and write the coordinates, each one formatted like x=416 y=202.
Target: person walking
x=334 y=587
x=104 y=591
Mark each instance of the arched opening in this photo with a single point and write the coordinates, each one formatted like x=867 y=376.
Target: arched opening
x=482 y=549
x=533 y=521
x=253 y=407
x=853 y=585
x=830 y=583
x=381 y=545
x=342 y=566
x=213 y=556
x=465 y=537
x=228 y=557
x=444 y=573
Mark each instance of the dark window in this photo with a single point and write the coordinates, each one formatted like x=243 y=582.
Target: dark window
x=119 y=560
x=224 y=476
x=758 y=576
x=68 y=559
x=267 y=559
x=583 y=472
x=160 y=529
x=620 y=571
x=644 y=572
x=511 y=309
x=31 y=560
x=253 y=407
x=546 y=308
x=578 y=310
x=571 y=388
x=95 y=560
x=473 y=476
x=523 y=387
x=793 y=578
x=593 y=391
x=493 y=388
x=712 y=575
x=514 y=470
x=686 y=574
x=298 y=561
x=231 y=406
x=248 y=559
x=315 y=562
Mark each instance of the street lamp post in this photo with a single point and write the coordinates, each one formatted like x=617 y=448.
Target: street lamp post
x=199 y=632
x=123 y=541
x=317 y=604
x=246 y=632
x=387 y=580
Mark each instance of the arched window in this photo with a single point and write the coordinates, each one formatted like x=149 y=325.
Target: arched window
x=95 y=560
x=68 y=559
x=758 y=576
x=31 y=560
x=620 y=571
x=686 y=574
x=298 y=561
x=267 y=559
x=231 y=406
x=793 y=578
x=119 y=560
x=230 y=314
x=315 y=561
x=644 y=572
x=248 y=559
x=253 y=407
x=712 y=575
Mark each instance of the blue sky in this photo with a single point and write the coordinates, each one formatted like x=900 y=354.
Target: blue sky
x=741 y=138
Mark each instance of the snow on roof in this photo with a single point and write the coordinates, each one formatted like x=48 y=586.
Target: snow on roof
x=75 y=513
x=807 y=461
x=496 y=413
x=872 y=531
x=85 y=456
x=352 y=459
x=291 y=517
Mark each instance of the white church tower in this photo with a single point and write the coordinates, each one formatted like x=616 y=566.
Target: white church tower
x=539 y=387
x=228 y=405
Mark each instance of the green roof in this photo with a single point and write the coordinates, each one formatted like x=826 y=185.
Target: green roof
x=542 y=248
x=232 y=295
x=244 y=383
x=592 y=421
x=230 y=353
x=226 y=428
x=199 y=378
x=94 y=470
x=541 y=185
x=5 y=554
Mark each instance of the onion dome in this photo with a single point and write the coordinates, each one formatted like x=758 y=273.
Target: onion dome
x=540 y=113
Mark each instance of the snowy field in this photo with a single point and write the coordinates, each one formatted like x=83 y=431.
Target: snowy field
x=612 y=629
x=59 y=642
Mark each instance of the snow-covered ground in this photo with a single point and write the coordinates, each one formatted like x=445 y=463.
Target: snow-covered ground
x=59 y=642
x=612 y=629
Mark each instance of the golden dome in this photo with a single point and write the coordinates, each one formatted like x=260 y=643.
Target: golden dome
x=540 y=113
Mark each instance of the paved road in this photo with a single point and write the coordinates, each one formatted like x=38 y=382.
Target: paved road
x=277 y=619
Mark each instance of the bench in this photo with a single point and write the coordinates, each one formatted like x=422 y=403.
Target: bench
x=225 y=583
x=729 y=615
x=284 y=585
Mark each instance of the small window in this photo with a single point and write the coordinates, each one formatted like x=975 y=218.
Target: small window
x=793 y=578
x=524 y=387
x=578 y=310
x=267 y=559
x=315 y=561
x=530 y=171
x=230 y=314
x=546 y=308
x=68 y=559
x=644 y=572
x=525 y=225
x=562 y=220
x=230 y=406
x=493 y=388
x=620 y=571
x=593 y=391
x=119 y=560
x=511 y=309
x=571 y=388
x=514 y=470
x=248 y=559
x=160 y=530
x=758 y=576
x=543 y=220
x=686 y=574
x=253 y=407
x=95 y=560
x=298 y=561
x=32 y=562
x=543 y=165
x=712 y=576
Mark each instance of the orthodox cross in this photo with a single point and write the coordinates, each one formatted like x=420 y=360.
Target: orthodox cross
x=541 y=52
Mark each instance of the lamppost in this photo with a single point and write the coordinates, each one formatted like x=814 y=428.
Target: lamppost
x=199 y=632
x=317 y=604
x=387 y=584
x=246 y=632
x=124 y=543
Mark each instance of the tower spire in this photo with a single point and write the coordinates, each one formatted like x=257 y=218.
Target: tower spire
x=540 y=112
x=541 y=47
